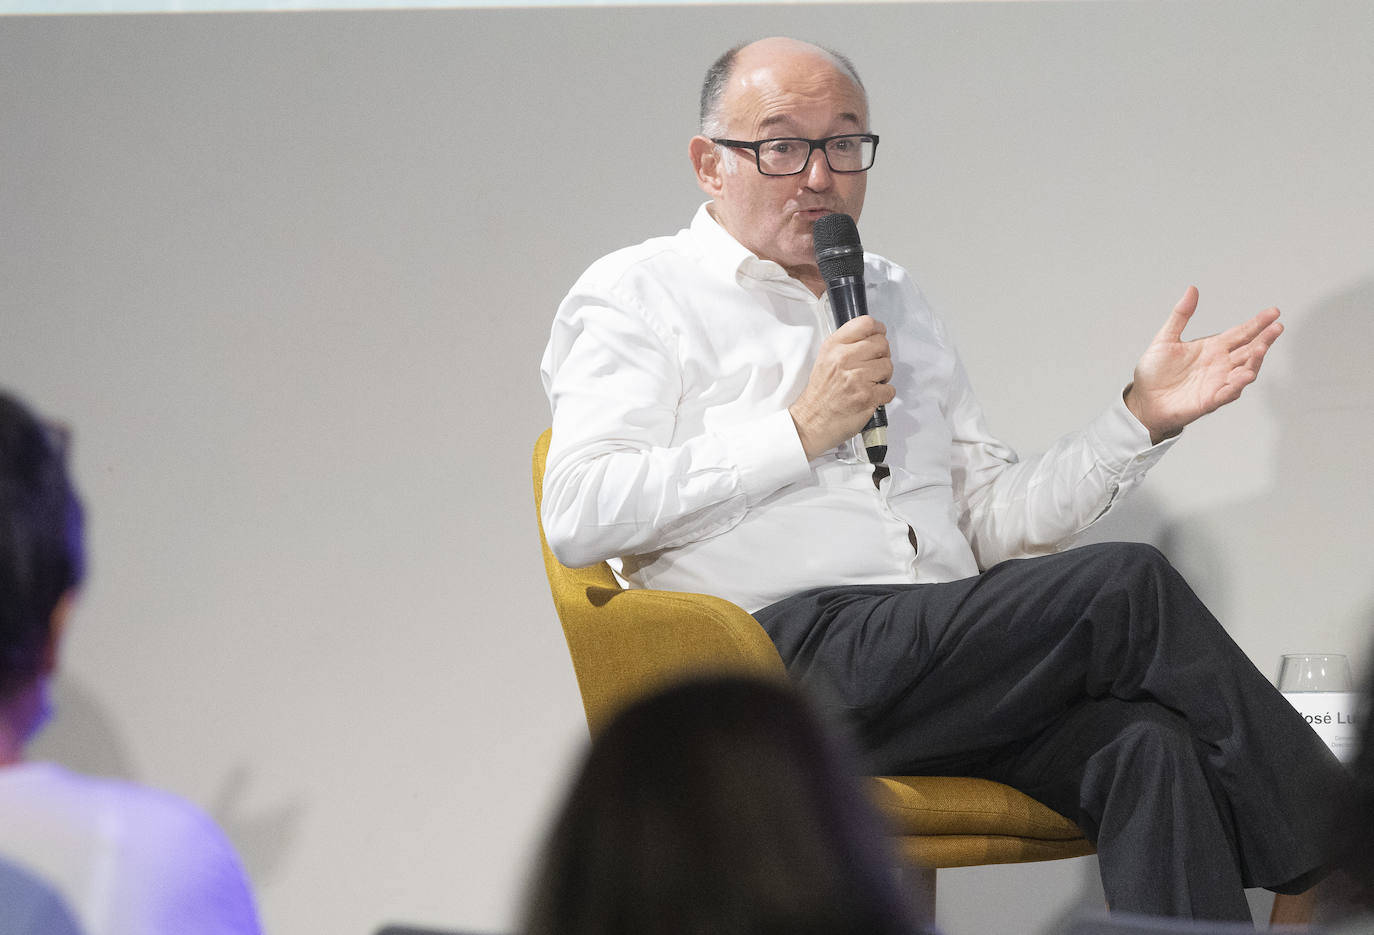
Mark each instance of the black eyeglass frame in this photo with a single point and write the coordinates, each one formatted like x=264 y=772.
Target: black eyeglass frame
x=813 y=144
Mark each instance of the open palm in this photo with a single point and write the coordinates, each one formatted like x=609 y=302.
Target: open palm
x=1177 y=381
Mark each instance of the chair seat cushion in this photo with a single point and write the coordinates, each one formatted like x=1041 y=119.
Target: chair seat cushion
x=963 y=805
x=945 y=821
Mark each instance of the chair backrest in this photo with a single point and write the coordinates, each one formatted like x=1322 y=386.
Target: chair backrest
x=566 y=583
x=625 y=643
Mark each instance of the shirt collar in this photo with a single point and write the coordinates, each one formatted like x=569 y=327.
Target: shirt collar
x=728 y=255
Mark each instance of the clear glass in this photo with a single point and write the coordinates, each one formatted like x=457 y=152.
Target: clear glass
x=1314 y=672
x=788 y=155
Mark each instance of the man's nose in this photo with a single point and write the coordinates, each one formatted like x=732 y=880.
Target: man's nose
x=818 y=174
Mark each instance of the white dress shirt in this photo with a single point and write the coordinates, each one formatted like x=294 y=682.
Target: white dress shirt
x=669 y=370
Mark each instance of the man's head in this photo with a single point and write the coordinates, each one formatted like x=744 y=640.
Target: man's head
x=778 y=88
x=41 y=553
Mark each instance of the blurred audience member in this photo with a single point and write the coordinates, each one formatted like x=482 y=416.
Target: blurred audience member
x=718 y=805
x=121 y=858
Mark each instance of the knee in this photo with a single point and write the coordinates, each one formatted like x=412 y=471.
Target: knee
x=1135 y=562
x=1129 y=555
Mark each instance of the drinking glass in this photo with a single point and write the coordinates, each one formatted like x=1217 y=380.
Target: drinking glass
x=1314 y=672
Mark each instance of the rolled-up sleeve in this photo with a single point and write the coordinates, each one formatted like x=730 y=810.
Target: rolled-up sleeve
x=1014 y=508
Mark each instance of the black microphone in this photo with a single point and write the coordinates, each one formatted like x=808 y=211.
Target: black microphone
x=840 y=256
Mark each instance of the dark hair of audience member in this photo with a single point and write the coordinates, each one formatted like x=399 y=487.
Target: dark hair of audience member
x=41 y=556
x=717 y=806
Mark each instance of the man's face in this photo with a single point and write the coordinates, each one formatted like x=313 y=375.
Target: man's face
x=792 y=93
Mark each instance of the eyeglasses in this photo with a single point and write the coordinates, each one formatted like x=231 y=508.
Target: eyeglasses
x=848 y=152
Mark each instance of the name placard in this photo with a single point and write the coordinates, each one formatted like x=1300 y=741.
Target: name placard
x=1334 y=716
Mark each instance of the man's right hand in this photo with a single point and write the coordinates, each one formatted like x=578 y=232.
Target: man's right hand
x=848 y=381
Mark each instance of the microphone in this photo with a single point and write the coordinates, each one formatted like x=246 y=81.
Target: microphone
x=840 y=256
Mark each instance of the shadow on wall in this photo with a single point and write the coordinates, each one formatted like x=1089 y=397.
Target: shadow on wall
x=1294 y=565
x=263 y=835
x=83 y=737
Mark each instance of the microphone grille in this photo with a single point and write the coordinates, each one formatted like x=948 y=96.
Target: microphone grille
x=838 y=250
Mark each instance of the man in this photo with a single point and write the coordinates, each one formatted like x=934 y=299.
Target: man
x=121 y=858
x=703 y=423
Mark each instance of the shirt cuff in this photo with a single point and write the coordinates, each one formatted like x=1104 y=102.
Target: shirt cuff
x=767 y=453
x=1123 y=443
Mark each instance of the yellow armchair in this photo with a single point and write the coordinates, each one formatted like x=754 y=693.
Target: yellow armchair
x=625 y=642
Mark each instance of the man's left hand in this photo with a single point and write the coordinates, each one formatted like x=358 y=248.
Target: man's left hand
x=1177 y=381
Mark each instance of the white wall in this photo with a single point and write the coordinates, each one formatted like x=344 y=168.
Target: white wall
x=288 y=277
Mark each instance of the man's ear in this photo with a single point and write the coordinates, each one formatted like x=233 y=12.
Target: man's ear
x=706 y=162
x=57 y=625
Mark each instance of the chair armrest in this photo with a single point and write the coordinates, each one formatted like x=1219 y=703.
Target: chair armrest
x=627 y=643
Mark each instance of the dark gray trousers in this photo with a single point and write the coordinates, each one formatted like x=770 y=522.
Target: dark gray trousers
x=1097 y=682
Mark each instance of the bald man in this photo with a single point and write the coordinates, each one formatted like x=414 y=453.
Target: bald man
x=704 y=413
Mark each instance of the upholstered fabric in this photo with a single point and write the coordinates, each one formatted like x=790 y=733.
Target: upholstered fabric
x=948 y=821
x=624 y=643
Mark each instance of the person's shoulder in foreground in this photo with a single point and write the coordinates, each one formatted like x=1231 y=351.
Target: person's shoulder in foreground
x=128 y=857
x=119 y=857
